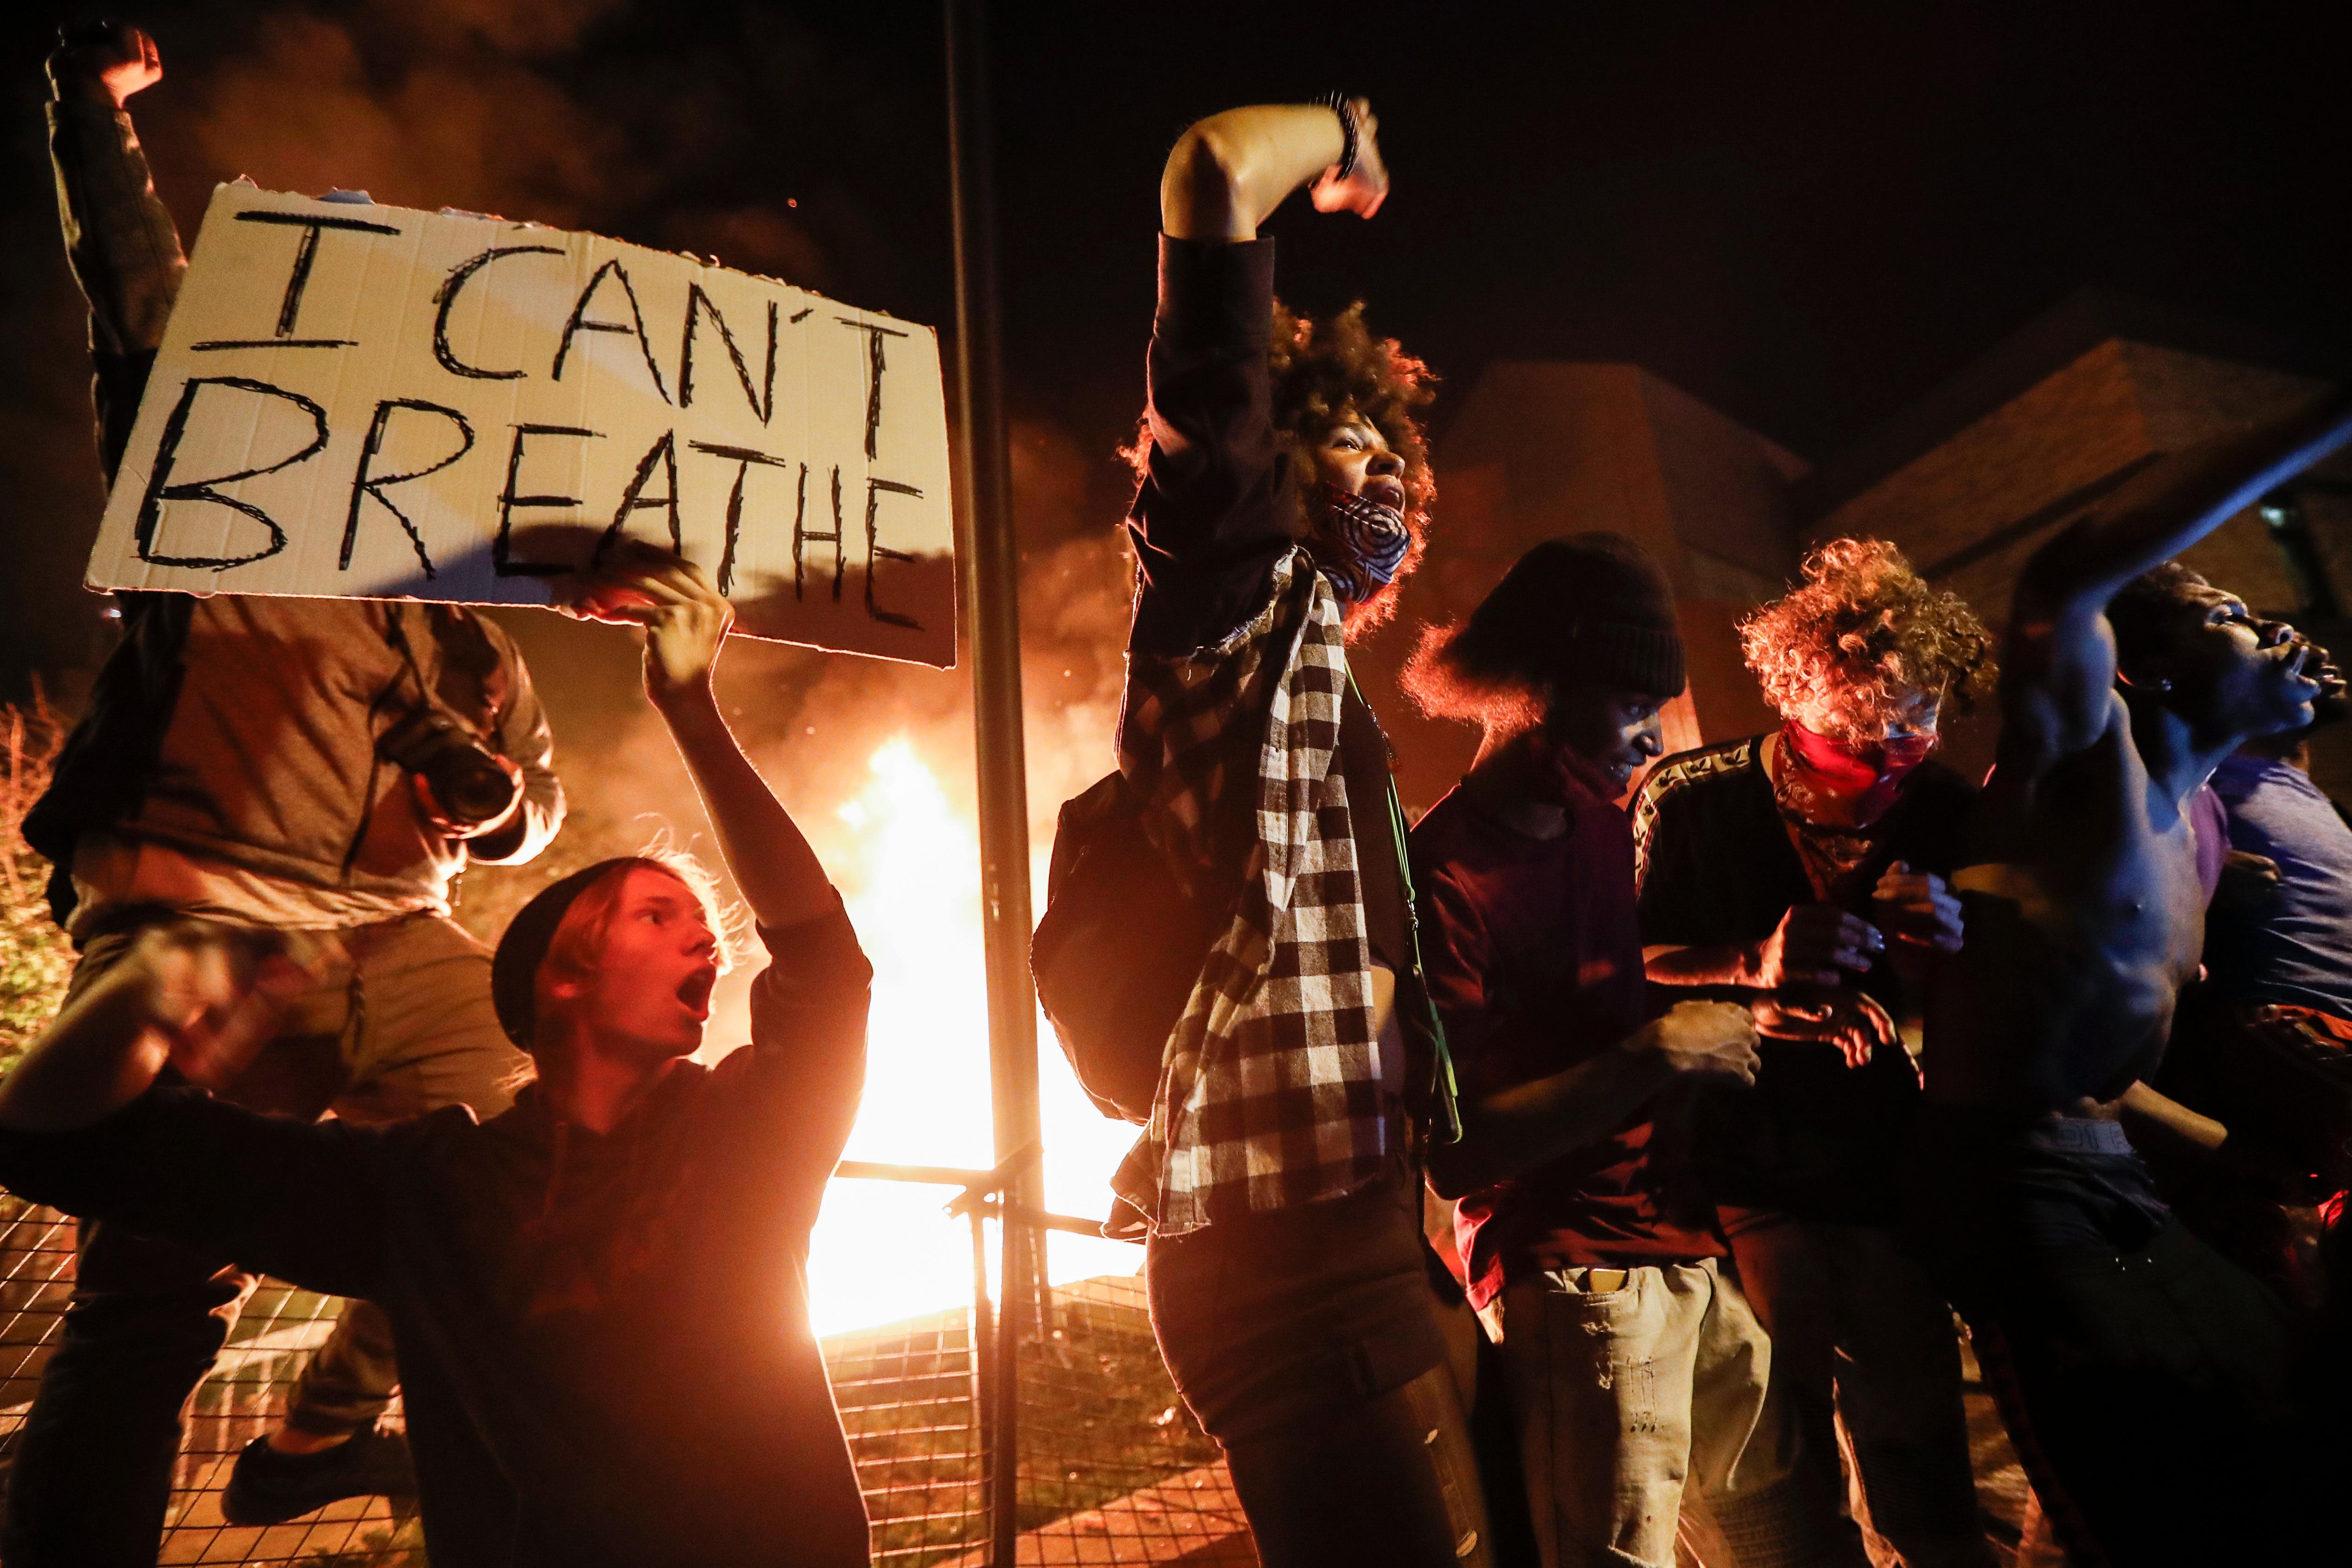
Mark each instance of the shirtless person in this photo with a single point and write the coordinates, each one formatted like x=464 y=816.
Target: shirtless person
x=2143 y=1377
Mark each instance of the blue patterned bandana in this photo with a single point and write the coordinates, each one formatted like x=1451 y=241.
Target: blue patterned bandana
x=1374 y=540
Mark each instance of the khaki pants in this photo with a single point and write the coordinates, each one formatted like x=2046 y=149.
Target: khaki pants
x=1625 y=1398
x=399 y=1024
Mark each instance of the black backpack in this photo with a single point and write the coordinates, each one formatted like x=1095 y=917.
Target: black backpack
x=1120 y=948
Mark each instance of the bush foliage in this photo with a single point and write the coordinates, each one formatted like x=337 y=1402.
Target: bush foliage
x=35 y=959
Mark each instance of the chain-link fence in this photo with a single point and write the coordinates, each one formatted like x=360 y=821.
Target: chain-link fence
x=1112 y=1468
x=242 y=1398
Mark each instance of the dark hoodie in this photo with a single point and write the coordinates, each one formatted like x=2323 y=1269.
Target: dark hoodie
x=604 y=1341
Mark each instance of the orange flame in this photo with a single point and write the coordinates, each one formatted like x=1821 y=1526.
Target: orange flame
x=885 y=1250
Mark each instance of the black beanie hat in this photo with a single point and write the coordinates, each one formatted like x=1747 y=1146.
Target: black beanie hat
x=514 y=968
x=1589 y=607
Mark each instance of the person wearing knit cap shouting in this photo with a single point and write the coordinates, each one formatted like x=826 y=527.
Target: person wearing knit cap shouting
x=598 y=1296
x=1635 y=1368
x=1807 y=869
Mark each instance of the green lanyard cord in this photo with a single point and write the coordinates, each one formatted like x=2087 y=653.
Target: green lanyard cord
x=1447 y=1123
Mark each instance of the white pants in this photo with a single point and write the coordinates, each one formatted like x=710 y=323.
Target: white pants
x=1624 y=1397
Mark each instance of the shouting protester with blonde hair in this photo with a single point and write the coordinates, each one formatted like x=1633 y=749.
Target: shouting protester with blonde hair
x=1807 y=869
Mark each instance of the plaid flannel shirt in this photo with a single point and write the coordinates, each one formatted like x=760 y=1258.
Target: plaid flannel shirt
x=1271 y=1092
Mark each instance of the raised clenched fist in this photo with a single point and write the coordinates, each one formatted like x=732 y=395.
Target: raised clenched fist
x=1367 y=184
x=110 y=57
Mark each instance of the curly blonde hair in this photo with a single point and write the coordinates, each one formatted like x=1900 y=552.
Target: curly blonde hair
x=1862 y=638
x=1328 y=370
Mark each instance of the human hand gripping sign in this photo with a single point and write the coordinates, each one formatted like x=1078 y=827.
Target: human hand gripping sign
x=684 y=617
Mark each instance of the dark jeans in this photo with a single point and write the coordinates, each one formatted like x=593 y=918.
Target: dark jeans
x=1860 y=1332
x=2146 y=1394
x=401 y=1025
x=1309 y=1343
x=2146 y=1383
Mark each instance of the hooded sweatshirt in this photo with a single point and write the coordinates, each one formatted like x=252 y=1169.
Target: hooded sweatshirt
x=603 y=1341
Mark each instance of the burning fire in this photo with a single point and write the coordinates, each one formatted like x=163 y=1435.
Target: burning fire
x=886 y=1251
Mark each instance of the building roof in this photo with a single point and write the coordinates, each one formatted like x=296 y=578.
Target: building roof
x=2057 y=337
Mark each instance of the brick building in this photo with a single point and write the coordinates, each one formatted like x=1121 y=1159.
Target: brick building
x=1967 y=480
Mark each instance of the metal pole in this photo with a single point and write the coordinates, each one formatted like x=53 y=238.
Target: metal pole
x=987 y=596
x=985 y=1379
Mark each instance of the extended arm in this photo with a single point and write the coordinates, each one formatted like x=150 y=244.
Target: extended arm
x=2158 y=1122
x=83 y=1126
x=686 y=621
x=2059 y=668
x=1212 y=518
x=1514 y=1131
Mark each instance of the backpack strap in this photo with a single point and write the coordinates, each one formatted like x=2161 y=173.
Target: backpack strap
x=1446 y=1109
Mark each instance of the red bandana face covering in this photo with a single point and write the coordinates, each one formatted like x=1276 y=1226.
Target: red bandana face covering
x=1841 y=784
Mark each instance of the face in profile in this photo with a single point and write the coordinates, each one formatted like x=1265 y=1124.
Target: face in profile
x=647 y=994
x=2233 y=670
x=1353 y=457
x=1603 y=733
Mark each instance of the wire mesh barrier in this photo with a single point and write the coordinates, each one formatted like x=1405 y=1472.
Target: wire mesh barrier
x=1112 y=1469
x=243 y=1398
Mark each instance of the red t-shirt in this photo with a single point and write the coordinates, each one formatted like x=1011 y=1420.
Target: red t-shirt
x=1534 y=957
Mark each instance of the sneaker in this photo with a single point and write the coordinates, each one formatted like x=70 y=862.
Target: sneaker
x=265 y=1486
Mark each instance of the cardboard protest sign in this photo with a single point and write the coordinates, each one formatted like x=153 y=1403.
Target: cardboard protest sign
x=366 y=402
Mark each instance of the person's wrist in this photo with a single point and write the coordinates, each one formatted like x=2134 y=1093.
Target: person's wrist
x=1648 y=1049
x=77 y=85
x=688 y=702
x=1350 y=134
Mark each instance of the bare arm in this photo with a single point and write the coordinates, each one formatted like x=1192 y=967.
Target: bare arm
x=2158 y=1122
x=2058 y=671
x=1516 y=1129
x=686 y=621
x=1228 y=173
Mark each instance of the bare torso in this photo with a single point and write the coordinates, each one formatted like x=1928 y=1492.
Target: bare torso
x=2085 y=918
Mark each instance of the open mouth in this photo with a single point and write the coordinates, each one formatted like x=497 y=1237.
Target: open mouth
x=2307 y=668
x=1387 y=492
x=696 y=992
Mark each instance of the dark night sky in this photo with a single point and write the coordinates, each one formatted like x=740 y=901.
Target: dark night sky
x=1805 y=213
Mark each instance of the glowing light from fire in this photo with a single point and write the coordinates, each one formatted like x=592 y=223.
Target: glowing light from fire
x=886 y=1251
